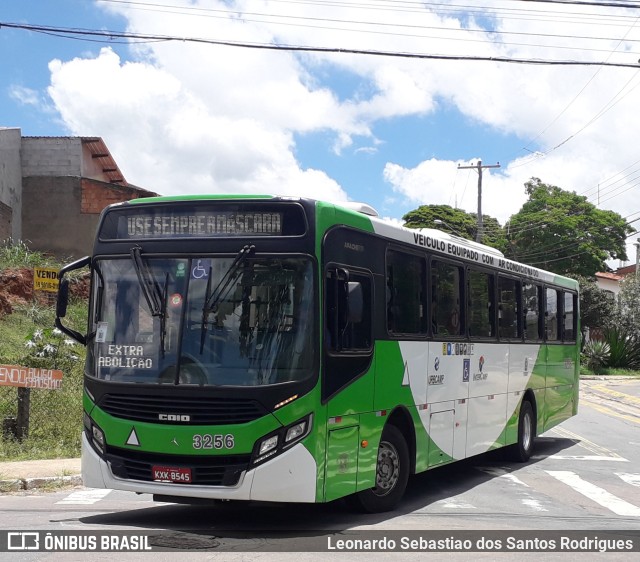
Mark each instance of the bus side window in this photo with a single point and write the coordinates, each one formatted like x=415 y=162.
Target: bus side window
x=569 y=317
x=531 y=303
x=551 y=315
x=446 y=299
x=406 y=293
x=481 y=304
x=509 y=308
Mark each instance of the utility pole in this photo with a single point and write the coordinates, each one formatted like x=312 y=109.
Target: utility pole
x=479 y=167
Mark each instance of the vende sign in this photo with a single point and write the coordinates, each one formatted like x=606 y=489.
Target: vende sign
x=30 y=377
x=45 y=279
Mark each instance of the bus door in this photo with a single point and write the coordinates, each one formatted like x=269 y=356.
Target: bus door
x=347 y=390
x=562 y=363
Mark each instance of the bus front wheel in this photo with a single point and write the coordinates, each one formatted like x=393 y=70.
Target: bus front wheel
x=392 y=474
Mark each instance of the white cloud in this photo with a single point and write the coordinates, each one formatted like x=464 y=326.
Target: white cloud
x=24 y=96
x=171 y=141
x=190 y=117
x=29 y=97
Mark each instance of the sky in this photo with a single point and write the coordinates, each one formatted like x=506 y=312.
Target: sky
x=346 y=121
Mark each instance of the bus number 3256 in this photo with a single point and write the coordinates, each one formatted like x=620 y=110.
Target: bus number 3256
x=208 y=441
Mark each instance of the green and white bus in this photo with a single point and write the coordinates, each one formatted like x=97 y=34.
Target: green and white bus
x=294 y=350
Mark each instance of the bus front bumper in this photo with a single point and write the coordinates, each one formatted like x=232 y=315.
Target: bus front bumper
x=289 y=477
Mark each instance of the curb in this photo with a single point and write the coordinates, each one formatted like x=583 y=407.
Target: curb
x=21 y=484
x=609 y=377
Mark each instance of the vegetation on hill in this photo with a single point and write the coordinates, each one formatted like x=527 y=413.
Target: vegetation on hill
x=28 y=339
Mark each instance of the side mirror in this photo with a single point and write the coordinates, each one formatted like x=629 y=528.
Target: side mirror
x=63 y=299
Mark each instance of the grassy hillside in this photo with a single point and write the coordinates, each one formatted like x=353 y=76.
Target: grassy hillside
x=28 y=338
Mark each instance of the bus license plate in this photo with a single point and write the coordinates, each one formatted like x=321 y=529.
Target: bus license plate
x=171 y=474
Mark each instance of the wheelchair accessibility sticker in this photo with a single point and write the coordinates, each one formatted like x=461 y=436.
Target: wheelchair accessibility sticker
x=200 y=269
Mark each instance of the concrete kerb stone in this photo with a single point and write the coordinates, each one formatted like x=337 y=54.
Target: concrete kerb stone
x=34 y=483
x=10 y=486
x=21 y=484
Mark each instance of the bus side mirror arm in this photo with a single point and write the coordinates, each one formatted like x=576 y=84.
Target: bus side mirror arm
x=63 y=299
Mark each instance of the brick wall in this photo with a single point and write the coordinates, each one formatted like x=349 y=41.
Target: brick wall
x=96 y=196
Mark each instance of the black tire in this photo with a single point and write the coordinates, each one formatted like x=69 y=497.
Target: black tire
x=521 y=451
x=392 y=474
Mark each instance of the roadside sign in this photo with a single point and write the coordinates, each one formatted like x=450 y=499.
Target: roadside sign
x=45 y=279
x=30 y=377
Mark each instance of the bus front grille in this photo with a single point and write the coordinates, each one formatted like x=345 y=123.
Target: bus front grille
x=224 y=470
x=185 y=411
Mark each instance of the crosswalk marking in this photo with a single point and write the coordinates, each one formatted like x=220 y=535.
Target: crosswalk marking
x=583 y=458
x=528 y=500
x=633 y=479
x=502 y=473
x=84 y=497
x=595 y=493
x=534 y=504
x=455 y=503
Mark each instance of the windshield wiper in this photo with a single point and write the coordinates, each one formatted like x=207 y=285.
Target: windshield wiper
x=212 y=300
x=155 y=296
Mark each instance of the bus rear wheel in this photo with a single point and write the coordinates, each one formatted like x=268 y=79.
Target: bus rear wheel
x=521 y=451
x=392 y=474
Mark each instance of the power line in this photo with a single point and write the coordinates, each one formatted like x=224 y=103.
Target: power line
x=110 y=35
x=626 y=5
x=209 y=12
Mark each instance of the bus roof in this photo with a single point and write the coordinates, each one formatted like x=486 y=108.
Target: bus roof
x=429 y=238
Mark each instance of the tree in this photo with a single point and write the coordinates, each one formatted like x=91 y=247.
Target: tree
x=597 y=306
x=456 y=222
x=563 y=232
x=628 y=313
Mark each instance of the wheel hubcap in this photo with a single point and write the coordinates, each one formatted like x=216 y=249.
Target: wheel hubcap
x=388 y=469
x=526 y=432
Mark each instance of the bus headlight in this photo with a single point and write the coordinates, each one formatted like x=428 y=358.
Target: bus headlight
x=94 y=433
x=98 y=438
x=280 y=440
x=295 y=431
x=268 y=444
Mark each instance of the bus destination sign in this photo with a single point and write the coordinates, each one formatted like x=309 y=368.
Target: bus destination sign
x=201 y=224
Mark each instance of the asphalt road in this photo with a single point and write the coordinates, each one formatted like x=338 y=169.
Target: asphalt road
x=584 y=475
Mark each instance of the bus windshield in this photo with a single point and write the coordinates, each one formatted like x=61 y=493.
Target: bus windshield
x=237 y=321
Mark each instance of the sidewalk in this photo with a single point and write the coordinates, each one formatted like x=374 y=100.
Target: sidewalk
x=29 y=475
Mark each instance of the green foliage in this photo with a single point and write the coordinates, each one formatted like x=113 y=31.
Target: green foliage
x=14 y=254
x=27 y=338
x=597 y=307
x=628 y=309
x=48 y=348
x=563 y=232
x=624 y=348
x=595 y=355
x=456 y=222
